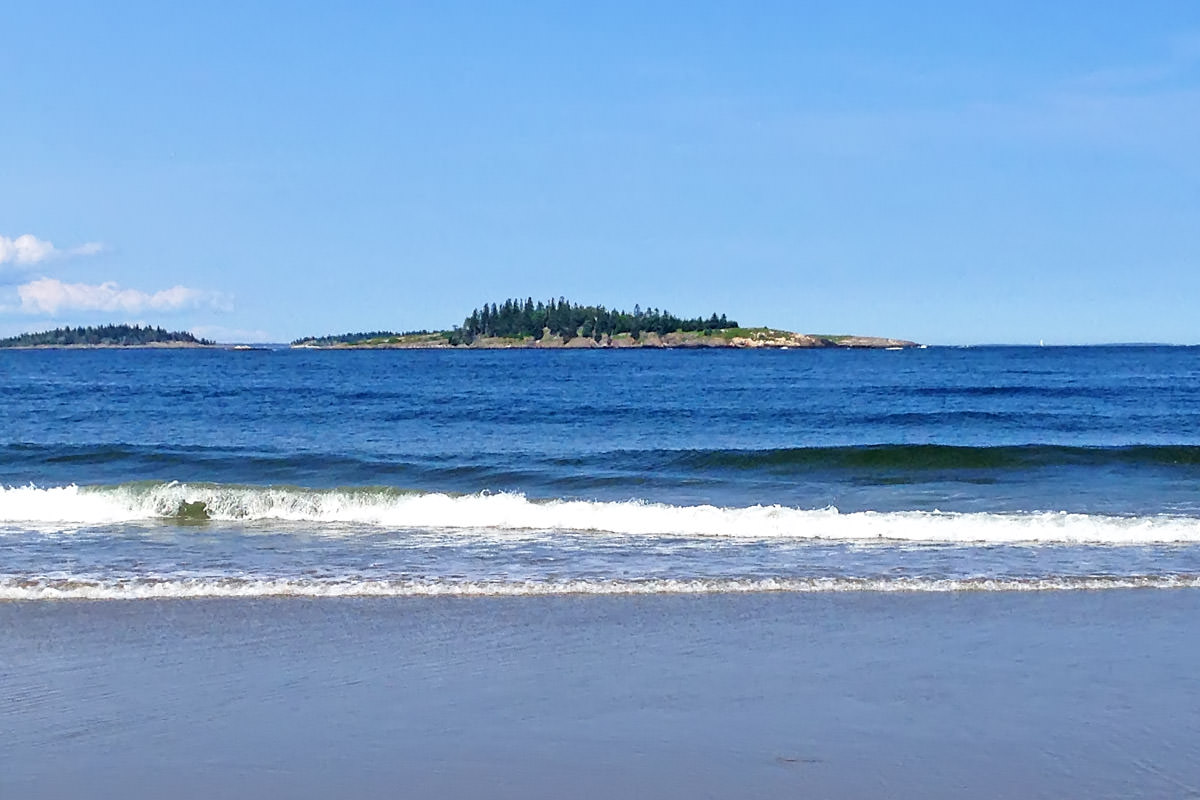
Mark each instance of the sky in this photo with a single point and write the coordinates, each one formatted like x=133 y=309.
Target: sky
x=951 y=173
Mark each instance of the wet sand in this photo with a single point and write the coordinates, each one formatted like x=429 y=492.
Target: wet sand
x=1084 y=694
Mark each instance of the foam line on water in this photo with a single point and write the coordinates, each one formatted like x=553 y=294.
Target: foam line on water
x=60 y=588
x=392 y=509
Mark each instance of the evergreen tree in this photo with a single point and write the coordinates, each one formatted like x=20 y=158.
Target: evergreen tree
x=112 y=335
x=516 y=318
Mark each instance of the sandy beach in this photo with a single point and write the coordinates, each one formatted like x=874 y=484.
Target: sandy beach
x=992 y=695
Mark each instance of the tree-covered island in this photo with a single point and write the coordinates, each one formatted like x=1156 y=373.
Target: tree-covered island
x=106 y=336
x=561 y=323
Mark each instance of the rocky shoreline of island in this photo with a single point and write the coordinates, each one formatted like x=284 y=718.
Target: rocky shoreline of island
x=563 y=324
x=740 y=338
x=140 y=346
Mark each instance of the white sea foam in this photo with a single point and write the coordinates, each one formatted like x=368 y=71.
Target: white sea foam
x=83 y=506
x=59 y=588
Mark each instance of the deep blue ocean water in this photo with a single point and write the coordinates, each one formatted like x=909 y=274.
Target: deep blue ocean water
x=157 y=473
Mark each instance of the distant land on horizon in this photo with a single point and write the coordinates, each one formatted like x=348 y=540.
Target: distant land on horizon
x=559 y=323
x=101 y=336
x=512 y=324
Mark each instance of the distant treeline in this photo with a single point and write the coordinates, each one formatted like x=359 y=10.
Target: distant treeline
x=517 y=318
x=351 y=338
x=111 y=335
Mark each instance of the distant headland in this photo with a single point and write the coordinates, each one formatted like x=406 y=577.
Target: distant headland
x=101 y=336
x=563 y=324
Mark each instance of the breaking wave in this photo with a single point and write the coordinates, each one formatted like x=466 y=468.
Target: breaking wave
x=394 y=509
x=17 y=589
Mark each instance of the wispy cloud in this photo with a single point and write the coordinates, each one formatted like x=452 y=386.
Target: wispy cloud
x=27 y=250
x=89 y=249
x=51 y=296
x=222 y=334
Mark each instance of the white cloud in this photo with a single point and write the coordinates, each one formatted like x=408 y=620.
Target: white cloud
x=27 y=249
x=50 y=296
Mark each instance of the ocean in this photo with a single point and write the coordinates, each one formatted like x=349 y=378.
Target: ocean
x=917 y=573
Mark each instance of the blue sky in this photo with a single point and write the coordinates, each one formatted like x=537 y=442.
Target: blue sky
x=934 y=171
